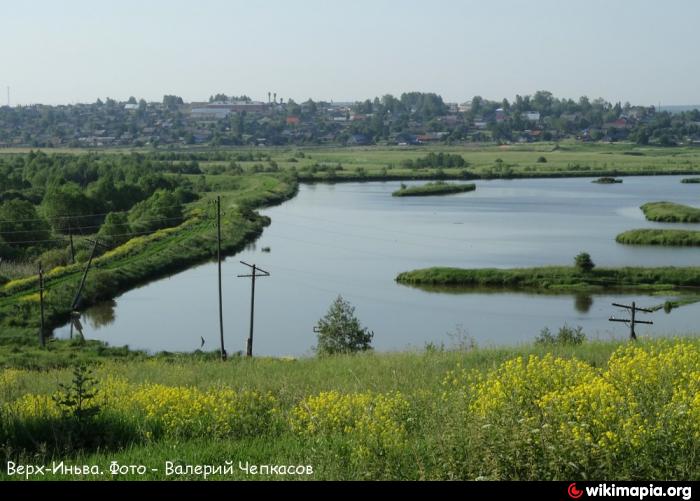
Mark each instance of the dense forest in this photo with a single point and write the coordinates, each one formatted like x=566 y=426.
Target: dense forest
x=47 y=201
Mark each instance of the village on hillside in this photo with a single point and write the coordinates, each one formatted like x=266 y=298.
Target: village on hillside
x=412 y=119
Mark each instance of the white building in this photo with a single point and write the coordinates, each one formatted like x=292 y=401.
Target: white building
x=531 y=116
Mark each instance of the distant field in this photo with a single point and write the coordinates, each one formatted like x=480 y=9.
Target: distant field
x=518 y=160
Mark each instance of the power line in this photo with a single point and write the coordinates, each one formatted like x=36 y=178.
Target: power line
x=65 y=239
x=78 y=216
x=80 y=228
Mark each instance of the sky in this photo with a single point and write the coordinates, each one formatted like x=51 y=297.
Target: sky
x=68 y=51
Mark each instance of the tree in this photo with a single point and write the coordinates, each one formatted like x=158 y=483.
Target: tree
x=113 y=231
x=172 y=102
x=584 y=262
x=68 y=207
x=161 y=210
x=19 y=222
x=339 y=331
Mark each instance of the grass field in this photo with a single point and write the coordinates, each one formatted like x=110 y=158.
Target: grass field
x=567 y=158
x=609 y=410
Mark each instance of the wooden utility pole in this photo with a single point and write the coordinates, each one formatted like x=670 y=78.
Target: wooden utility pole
x=263 y=273
x=218 y=258
x=42 y=341
x=72 y=248
x=76 y=299
x=75 y=315
x=633 y=320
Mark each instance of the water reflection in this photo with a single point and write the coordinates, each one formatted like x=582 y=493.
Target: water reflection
x=101 y=314
x=583 y=303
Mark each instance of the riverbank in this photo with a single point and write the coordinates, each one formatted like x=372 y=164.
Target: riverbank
x=559 y=278
x=439 y=413
x=670 y=238
x=669 y=212
x=431 y=189
x=134 y=263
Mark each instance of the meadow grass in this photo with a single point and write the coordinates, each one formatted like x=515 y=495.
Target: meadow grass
x=672 y=238
x=603 y=409
x=564 y=278
x=669 y=212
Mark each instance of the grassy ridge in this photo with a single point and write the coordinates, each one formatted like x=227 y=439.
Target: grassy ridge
x=438 y=188
x=669 y=212
x=433 y=414
x=645 y=236
x=565 y=278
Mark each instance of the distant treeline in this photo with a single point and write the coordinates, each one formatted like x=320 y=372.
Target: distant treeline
x=435 y=160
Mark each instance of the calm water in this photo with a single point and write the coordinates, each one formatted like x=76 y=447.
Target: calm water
x=352 y=239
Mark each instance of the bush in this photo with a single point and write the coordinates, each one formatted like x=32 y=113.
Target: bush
x=340 y=331
x=566 y=336
x=541 y=160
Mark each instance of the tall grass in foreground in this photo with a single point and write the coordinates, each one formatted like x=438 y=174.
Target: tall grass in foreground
x=596 y=410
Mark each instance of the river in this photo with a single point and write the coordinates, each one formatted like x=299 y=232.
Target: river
x=352 y=239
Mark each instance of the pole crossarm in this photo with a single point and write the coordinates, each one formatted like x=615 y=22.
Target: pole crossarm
x=633 y=309
x=636 y=308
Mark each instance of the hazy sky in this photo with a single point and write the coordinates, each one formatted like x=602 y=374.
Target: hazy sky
x=65 y=51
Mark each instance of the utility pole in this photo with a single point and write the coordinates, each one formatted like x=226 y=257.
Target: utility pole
x=76 y=299
x=218 y=258
x=72 y=249
x=263 y=273
x=75 y=315
x=42 y=341
x=632 y=321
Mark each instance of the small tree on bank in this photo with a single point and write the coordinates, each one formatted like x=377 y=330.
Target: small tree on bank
x=339 y=331
x=584 y=263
